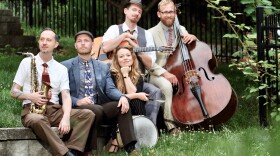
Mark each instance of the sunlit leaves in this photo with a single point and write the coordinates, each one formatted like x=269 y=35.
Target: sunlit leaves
x=224 y=8
x=250 y=43
x=231 y=36
x=216 y=2
x=242 y=27
x=232 y=15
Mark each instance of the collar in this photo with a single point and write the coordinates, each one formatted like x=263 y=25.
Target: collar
x=82 y=60
x=164 y=27
x=125 y=28
x=40 y=61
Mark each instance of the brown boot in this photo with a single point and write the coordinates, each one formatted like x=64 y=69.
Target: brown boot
x=134 y=153
x=87 y=154
x=175 y=131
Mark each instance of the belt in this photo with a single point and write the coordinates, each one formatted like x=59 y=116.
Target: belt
x=29 y=104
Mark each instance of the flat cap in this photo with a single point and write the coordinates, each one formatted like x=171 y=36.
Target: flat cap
x=137 y=2
x=84 y=32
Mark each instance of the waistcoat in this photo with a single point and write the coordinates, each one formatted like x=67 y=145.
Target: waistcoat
x=141 y=39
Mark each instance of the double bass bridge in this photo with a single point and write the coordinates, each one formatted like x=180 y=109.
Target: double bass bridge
x=192 y=77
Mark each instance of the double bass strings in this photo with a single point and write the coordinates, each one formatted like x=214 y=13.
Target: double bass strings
x=185 y=55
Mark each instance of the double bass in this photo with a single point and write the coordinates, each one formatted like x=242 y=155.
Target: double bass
x=201 y=97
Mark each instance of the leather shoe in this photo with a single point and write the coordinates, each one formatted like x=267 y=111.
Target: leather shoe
x=73 y=152
x=135 y=153
x=69 y=153
x=87 y=154
x=175 y=131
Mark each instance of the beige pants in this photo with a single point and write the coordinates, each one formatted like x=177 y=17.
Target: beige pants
x=166 y=88
x=80 y=122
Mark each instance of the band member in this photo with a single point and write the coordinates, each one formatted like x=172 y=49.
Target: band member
x=129 y=31
x=91 y=84
x=128 y=79
x=165 y=35
x=55 y=75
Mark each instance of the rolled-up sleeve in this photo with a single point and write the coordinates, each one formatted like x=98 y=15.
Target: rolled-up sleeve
x=150 y=43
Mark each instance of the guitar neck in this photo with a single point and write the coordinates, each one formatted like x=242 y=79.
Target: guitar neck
x=145 y=49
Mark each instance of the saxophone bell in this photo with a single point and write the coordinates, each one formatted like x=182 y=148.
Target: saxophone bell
x=46 y=90
x=45 y=87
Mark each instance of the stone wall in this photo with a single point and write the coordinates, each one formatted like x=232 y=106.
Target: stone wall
x=11 y=32
x=21 y=141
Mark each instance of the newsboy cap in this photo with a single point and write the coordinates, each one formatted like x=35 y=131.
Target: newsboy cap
x=84 y=32
x=137 y=2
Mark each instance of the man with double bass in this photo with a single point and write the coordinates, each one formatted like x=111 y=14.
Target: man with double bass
x=164 y=35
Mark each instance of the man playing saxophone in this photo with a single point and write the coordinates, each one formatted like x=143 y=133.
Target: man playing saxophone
x=55 y=115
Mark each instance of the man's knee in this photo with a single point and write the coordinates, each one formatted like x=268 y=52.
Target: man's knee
x=89 y=113
x=84 y=113
x=97 y=110
x=152 y=89
x=33 y=120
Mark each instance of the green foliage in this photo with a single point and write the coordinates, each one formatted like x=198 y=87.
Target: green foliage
x=10 y=108
x=251 y=68
x=250 y=7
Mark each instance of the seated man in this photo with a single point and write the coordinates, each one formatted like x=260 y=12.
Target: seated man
x=164 y=35
x=48 y=111
x=91 y=86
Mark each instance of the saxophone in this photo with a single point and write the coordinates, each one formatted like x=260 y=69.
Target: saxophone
x=45 y=87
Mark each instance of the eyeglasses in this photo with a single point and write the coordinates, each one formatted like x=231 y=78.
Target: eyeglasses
x=168 y=12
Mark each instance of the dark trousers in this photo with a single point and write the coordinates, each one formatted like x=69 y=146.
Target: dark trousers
x=112 y=115
x=92 y=137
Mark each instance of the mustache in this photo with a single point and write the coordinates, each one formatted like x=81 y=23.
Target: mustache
x=83 y=53
x=84 y=47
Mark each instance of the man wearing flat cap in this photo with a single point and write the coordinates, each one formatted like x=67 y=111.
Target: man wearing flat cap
x=91 y=87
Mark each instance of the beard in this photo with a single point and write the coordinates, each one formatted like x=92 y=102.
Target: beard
x=134 y=19
x=44 y=50
x=168 y=21
x=84 y=52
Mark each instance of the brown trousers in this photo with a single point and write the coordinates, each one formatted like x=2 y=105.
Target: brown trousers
x=80 y=122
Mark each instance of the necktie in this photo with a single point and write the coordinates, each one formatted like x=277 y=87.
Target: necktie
x=131 y=32
x=88 y=82
x=45 y=74
x=169 y=42
x=46 y=80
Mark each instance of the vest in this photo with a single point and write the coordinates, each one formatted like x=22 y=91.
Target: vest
x=141 y=39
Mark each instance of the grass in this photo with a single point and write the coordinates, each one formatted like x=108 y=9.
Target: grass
x=241 y=135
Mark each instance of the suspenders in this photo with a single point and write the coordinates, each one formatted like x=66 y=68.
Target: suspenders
x=141 y=39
